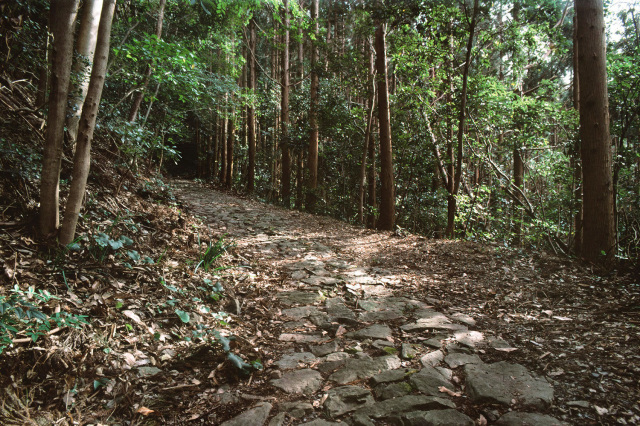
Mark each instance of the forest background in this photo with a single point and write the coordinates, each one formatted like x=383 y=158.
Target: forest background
x=444 y=119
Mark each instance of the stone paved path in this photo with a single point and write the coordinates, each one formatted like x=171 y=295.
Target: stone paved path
x=367 y=354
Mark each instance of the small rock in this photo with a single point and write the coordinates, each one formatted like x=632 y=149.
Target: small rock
x=503 y=382
x=435 y=342
x=515 y=418
x=338 y=356
x=432 y=358
x=581 y=404
x=298 y=297
x=302 y=338
x=376 y=331
x=254 y=416
x=382 y=344
x=277 y=420
x=296 y=409
x=304 y=381
x=464 y=319
x=457 y=359
x=326 y=349
x=299 y=312
x=345 y=399
x=148 y=371
x=405 y=404
x=293 y=360
x=448 y=417
x=321 y=422
x=389 y=376
x=408 y=351
x=429 y=380
x=469 y=338
x=393 y=390
x=355 y=369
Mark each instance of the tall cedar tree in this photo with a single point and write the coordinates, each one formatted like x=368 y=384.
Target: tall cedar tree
x=598 y=221
x=312 y=157
x=387 y=190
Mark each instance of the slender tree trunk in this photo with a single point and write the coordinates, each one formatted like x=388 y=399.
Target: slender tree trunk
x=577 y=167
x=387 y=190
x=312 y=157
x=461 y=124
x=231 y=138
x=85 y=47
x=372 y=202
x=284 y=145
x=82 y=158
x=518 y=181
x=223 y=150
x=251 y=112
x=367 y=133
x=139 y=95
x=598 y=220
x=63 y=16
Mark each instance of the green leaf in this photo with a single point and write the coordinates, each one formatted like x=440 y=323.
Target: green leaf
x=184 y=316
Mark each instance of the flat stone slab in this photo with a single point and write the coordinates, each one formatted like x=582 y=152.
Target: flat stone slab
x=302 y=338
x=392 y=390
x=382 y=315
x=448 y=417
x=294 y=360
x=320 y=280
x=326 y=349
x=455 y=360
x=376 y=331
x=355 y=369
x=338 y=311
x=469 y=338
x=432 y=359
x=404 y=404
x=504 y=383
x=321 y=422
x=298 y=297
x=390 y=376
x=296 y=409
x=300 y=312
x=253 y=416
x=428 y=381
x=305 y=381
x=346 y=399
x=515 y=418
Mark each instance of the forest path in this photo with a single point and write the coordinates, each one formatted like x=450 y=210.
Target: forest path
x=369 y=328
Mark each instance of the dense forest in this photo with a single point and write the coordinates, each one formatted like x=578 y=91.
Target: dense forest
x=456 y=120
x=371 y=211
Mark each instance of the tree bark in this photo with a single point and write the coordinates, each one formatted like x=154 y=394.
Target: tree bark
x=387 y=190
x=367 y=133
x=137 y=99
x=82 y=158
x=251 y=112
x=518 y=181
x=284 y=145
x=598 y=220
x=231 y=139
x=85 y=47
x=577 y=166
x=462 y=115
x=63 y=16
x=312 y=156
x=372 y=203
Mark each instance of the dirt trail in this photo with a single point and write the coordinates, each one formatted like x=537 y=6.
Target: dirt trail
x=371 y=328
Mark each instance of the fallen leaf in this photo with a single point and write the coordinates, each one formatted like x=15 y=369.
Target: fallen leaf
x=132 y=315
x=144 y=411
x=449 y=391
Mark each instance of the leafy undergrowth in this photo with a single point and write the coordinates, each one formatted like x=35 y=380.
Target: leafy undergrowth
x=83 y=329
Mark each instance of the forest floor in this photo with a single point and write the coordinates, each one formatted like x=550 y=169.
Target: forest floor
x=331 y=324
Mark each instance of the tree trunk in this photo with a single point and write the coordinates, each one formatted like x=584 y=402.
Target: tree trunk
x=312 y=158
x=598 y=219
x=82 y=158
x=63 y=16
x=284 y=145
x=387 y=190
x=251 y=112
x=367 y=133
x=85 y=47
x=577 y=167
x=518 y=181
x=231 y=139
x=452 y=202
x=137 y=99
x=372 y=203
